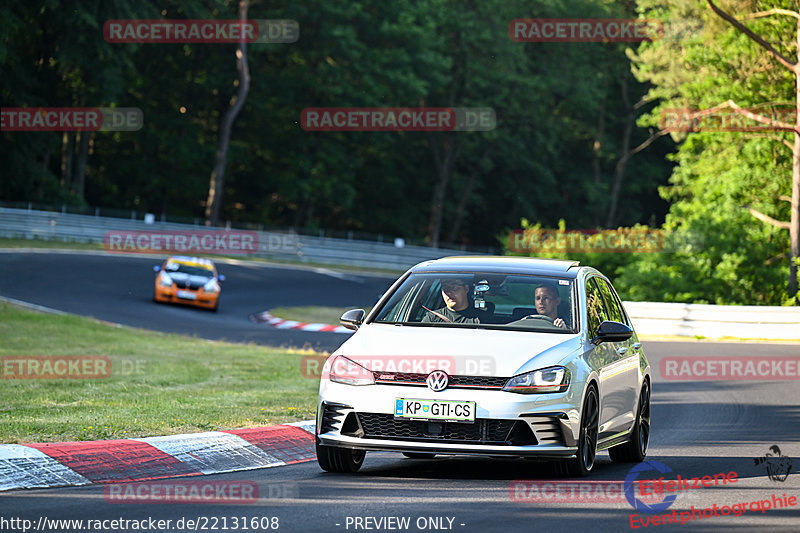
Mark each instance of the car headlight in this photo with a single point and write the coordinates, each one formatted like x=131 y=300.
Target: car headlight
x=551 y=379
x=211 y=286
x=343 y=370
x=164 y=280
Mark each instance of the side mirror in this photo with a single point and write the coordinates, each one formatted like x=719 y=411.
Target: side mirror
x=352 y=319
x=221 y=278
x=156 y=268
x=610 y=331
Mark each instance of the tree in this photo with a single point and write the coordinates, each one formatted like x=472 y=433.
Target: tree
x=217 y=181
x=794 y=68
x=720 y=178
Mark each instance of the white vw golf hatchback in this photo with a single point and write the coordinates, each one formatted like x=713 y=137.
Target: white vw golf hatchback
x=500 y=356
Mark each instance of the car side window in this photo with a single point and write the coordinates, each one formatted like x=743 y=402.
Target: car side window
x=595 y=310
x=612 y=304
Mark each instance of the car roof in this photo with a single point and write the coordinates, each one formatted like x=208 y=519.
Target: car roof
x=190 y=261
x=501 y=265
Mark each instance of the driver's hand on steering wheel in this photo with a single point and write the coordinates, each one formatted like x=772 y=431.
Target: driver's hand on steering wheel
x=559 y=323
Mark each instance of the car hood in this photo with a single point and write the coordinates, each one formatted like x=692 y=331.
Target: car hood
x=458 y=351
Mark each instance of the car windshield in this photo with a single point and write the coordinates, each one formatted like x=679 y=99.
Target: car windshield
x=173 y=268
x=482 y=300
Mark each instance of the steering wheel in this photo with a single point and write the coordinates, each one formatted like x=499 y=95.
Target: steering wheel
x=539 y=317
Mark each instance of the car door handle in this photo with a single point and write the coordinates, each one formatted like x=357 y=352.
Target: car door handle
x=636 y=345
x=621 y=350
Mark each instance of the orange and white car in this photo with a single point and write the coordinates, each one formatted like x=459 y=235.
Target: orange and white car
x=188 y=280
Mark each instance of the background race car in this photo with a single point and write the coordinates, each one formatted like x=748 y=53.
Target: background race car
x=188 y=280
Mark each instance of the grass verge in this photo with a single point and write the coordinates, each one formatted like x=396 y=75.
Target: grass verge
x=6 y=242
x=159 y=384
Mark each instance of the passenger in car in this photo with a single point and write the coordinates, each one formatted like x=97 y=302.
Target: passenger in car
x=547 y=300
x=458 y=310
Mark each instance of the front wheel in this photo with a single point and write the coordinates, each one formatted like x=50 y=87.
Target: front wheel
x=635 y=449
x=341 y=460
x=583 y=462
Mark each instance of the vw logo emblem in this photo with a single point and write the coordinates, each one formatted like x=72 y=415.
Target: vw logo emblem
x=437 y=380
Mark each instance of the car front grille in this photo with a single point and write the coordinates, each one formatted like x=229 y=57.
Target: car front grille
x=456 y=382
x=482 y=431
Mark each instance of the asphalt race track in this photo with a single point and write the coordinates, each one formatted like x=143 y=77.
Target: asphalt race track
x=699 y=428
x=119 y=288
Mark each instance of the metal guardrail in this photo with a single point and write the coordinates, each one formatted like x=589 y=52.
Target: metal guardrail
x=280 y=245
x=715 y=321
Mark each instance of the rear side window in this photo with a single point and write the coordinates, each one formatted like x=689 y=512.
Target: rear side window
x=612 y=303
x=595 y=309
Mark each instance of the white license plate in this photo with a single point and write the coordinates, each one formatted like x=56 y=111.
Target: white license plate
x=444 y=410
x=187 y=295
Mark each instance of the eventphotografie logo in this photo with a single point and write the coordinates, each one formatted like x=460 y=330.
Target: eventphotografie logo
x=713 y=368
x=635 y=500
x=71 y=118
x=398 y=119
x=584 y=30
x=778 y=466
x=201 y=31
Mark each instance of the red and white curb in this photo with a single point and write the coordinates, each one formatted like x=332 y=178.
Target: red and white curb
x=59 y=464
x=279 y=323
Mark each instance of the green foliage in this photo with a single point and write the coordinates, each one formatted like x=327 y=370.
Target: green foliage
x=547 y=154
x=703 y=62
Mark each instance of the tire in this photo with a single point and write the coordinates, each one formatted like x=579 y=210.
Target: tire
x=581 y=465
x=340 y=460
x=419 y=455
x=635 y=450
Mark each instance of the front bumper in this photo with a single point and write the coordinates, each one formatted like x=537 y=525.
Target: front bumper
x=506 y=424
x=207 y=300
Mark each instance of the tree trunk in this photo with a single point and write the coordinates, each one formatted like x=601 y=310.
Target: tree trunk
x=67 y=150
x=217 y=181
x=625 y=155
x=80 y=169
x=597 y=145
x=462 y=202
x=444 y=167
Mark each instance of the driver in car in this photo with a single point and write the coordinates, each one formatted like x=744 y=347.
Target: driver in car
x=547 y=300
x=458 y=308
